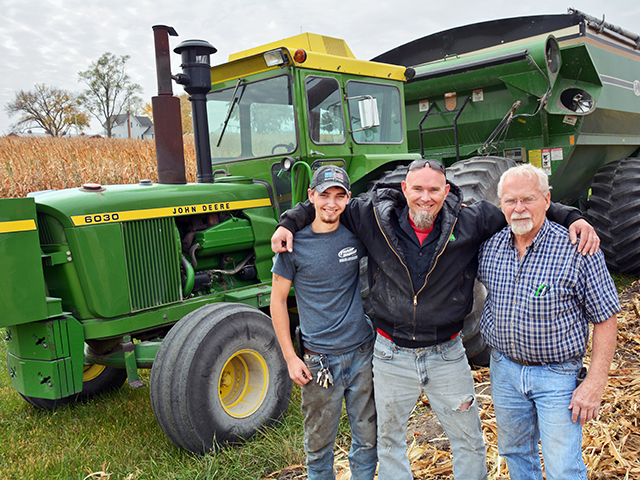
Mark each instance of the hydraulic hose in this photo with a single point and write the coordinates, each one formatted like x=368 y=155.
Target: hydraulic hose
x=190 y=274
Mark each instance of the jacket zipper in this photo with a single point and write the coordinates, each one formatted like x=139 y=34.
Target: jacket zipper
x=415 y=295
x=415 y=298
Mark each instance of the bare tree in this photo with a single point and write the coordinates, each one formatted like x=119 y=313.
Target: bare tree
x=111 y=92
x=50 y=108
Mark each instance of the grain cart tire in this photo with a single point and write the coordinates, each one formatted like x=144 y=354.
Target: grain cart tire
x=614 y=211
x=96 y=380
x=218 y=377
x=478 y=179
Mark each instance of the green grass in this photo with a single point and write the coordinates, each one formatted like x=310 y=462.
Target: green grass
x=118 y=434
x=622 y=280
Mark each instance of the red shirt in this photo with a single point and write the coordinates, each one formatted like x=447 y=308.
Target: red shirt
x=421 y=234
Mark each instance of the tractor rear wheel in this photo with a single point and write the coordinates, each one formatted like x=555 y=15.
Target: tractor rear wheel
x=219 y=377
x=614 y=211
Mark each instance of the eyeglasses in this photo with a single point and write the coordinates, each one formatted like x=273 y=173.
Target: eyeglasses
x=421 y=163
x=512 y=202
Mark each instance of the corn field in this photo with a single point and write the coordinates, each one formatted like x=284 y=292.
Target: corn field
x=45 y=163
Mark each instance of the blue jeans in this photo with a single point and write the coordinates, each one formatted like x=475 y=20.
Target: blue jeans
x=352 y=379
x=531 y=404
x=443 y=374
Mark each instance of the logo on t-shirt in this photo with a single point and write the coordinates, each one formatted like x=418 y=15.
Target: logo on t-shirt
x=348 y=254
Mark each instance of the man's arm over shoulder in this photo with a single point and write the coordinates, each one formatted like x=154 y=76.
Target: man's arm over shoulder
x=491 y=221
x=298 y=217
x=303 y=214
x=489 y=218
x=291 y=221
x=572 y=219
x=563 y=214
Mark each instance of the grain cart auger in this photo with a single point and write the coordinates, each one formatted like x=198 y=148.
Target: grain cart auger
x=102 y=280
x=561 y=92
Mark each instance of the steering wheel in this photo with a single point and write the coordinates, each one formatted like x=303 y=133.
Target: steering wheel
x=288 y=147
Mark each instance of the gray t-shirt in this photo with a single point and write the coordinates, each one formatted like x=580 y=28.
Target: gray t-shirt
x=324 y=269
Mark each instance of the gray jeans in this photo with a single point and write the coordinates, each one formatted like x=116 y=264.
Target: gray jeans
x=443 y=374
x=322 y=408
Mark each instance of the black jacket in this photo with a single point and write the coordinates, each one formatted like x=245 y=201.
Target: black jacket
x=431 y=311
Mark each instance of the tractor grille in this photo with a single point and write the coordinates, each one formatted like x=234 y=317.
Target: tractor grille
x=153 y=263
x=50 y=230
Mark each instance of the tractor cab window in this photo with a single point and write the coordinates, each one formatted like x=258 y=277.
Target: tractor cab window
x=325 y=114
x=252 y=120
x=387 y=101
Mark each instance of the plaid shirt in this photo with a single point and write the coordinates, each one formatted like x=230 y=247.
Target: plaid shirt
x=539 y=310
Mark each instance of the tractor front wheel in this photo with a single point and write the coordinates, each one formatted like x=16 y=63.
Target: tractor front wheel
x=219 y=377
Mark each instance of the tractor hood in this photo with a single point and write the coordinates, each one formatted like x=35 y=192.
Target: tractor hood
x=94 y=204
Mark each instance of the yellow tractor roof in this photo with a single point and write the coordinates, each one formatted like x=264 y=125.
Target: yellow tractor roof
x=323 y=53
x=311 y=42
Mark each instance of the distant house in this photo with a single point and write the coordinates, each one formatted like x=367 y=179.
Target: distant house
x=132 y=126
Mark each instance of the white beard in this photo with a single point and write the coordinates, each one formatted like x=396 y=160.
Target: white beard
x=423 y=220
x=521 y=227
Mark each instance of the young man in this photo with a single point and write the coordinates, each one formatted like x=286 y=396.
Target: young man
x=542 y=296
x=337 y=336
x=423 y=255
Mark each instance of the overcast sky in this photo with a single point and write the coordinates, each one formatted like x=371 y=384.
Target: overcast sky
x=50 y=41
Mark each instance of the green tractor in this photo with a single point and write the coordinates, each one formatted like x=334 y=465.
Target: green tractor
x=175 y=277
x=101 y=281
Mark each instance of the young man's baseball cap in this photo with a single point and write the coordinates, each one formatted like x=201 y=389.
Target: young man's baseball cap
x=329 y=176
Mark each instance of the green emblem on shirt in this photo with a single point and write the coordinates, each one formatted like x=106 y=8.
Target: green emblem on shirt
x=452 y=238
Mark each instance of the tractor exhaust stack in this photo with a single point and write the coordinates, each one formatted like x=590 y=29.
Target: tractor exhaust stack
x=166 y=114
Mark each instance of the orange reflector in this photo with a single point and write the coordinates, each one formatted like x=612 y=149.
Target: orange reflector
x=300 y=56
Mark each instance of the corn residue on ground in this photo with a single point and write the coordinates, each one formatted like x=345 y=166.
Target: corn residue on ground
x=610 y=444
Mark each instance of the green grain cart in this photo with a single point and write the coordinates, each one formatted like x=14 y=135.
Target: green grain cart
x=561 y=92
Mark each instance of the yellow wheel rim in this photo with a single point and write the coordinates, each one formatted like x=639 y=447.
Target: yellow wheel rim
x=92 y=371
x=243 y=383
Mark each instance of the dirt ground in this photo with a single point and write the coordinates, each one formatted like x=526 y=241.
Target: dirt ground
x=611 y=443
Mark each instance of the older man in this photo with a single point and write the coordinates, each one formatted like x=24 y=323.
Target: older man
x=423 y=255
x=542 y=296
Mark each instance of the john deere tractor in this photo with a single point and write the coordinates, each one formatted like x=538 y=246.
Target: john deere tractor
x=101 y=281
